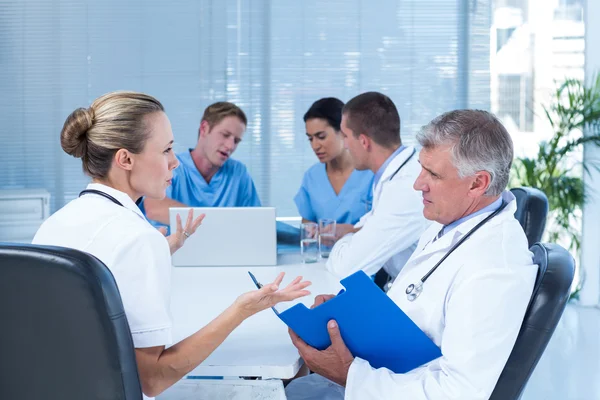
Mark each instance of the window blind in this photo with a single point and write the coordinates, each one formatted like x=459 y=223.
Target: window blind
x=272 y=58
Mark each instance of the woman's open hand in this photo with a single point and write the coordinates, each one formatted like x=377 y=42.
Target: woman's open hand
x=177 y=239
x=269 y=295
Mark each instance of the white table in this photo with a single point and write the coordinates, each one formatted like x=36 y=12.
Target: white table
x=192 y=389
x=261 y=346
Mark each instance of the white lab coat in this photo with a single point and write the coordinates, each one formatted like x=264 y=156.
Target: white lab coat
x=472 y=307
x=390 y=231
x=136 y=253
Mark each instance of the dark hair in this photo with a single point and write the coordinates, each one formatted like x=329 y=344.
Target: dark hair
x=329 y=109
x=375 y=115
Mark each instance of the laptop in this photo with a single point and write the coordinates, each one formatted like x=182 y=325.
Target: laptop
x=228 y=236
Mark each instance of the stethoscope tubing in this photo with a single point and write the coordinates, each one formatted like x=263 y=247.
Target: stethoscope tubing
x=101 y=193
x=419 y=286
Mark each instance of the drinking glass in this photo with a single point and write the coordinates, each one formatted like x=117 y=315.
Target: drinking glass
x=326 y=236
x=309 y=248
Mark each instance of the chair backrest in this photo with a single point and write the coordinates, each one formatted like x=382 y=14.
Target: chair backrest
x=532 y=210
x=64 y=332
x=548 y=301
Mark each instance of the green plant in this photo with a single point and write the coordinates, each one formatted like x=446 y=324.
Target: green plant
x=574 y=109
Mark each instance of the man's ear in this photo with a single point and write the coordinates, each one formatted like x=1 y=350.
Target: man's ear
x=480 y=184
x=365 y=141
x=123 y=159
x=204 y=129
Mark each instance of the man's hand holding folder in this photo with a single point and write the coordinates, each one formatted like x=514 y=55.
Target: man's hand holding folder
x=322 y=298
x=334 y=362
x=366 y=324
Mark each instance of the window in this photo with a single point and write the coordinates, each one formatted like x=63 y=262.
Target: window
x=273 y=58
x=540 y=44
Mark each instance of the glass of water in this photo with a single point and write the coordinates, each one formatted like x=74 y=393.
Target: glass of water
x=309 y=248
x=326 y=236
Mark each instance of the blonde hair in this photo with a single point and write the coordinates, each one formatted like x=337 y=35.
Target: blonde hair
x=114 y=121
x=217 y=112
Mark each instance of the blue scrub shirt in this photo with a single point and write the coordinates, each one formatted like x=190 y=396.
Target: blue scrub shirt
x=231 y=186
x=316 y=198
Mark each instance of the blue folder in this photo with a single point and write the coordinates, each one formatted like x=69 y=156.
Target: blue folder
x=373 y=327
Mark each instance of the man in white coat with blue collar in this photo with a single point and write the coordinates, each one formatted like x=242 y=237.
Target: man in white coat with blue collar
x=387 y=235
x=471 y=303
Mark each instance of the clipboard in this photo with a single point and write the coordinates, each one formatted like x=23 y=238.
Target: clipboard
x=373 y=327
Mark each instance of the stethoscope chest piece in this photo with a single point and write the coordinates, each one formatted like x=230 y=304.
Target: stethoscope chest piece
x=413 y=291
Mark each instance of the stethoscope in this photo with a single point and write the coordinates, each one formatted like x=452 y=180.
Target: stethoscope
x=108 y=196
x=101 y=193
x=414 y=290
x=370 y=203
x=402 y=165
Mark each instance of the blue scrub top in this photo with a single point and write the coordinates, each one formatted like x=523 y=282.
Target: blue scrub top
x=316 y=198
x=231 y=186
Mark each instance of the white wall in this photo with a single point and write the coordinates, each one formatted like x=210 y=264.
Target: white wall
x=590 y=256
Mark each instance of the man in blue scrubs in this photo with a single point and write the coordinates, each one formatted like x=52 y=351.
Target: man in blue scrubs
x=207 y=175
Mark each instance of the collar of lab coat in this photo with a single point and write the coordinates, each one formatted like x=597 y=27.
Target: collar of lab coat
x=427 y=246
x=117 y=194
x=396 y=163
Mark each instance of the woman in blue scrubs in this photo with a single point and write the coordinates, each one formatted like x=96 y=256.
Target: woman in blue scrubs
x=332 y=188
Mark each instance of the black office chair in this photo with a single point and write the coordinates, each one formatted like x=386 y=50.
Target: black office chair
x=532 y=210
x=64 y=333
x=550 y=295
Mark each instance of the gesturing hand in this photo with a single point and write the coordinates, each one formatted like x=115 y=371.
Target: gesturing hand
x=269 y=295
x=177 y=239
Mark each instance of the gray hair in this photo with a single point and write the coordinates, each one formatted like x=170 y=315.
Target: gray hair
x=479 y=142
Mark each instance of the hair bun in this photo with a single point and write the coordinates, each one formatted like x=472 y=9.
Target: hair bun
x=73 y=137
